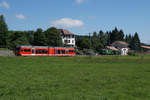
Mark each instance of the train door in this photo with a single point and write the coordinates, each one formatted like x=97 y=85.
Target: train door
x=67 y=51
x=33 y=52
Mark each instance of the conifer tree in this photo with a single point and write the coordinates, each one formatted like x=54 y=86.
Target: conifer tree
x=135 y=43
x=120 y=35
x=3 y=32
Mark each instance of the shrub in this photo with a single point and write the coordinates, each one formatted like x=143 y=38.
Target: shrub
x=132 y=53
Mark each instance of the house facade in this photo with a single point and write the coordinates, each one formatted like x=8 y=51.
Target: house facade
x=122 y=46
x=68 y=38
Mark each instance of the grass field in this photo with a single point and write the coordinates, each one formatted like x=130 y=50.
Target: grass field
x=74 y=78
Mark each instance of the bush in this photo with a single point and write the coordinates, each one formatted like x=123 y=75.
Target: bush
x=132 y=53
x=79 y=52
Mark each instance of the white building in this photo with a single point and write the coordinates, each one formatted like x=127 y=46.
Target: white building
x=68 y=38
x=122 y=46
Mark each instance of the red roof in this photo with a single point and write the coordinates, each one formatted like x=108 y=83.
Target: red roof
x=146 y=47
x=65 y=32
x=112 y=48
x=121 y=42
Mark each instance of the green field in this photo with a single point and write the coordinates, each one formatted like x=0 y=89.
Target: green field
x=75 y=78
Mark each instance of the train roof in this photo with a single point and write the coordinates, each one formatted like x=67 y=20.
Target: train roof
x=30 y=46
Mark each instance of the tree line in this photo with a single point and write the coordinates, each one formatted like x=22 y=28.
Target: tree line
x=100 y=40
x=39 y=37
x=51 y=37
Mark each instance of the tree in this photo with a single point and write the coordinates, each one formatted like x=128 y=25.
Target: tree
x=103 y=39
x=128 y=38
x=82 y=42
x=135 y=43
x=96 y=43
x=113 y=35
x=39 y=38
x=18 y=38
x=85 y=43
x=30 y=37
x=53 y=37
x=116 y=35
x=108 y=37
x=3 y=32
x=120 y=35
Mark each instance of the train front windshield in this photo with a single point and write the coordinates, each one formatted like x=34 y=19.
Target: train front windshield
x=17 y=49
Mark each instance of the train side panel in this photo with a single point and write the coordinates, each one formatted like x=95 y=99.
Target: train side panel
x=44 y=51
x=25 y=51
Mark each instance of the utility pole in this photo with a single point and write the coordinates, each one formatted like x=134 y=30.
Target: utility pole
x=142 y=54
x=90 y=56
x=90 y=40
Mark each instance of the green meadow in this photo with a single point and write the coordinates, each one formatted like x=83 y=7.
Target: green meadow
x=75 y=78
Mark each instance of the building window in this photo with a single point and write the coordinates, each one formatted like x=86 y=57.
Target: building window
x=72 y=36
x=72 y=41
x=65 y=41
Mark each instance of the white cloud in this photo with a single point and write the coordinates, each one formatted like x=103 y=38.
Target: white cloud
x=67 y=22
x=79 y=1
x=20 y=16
x=4 y=4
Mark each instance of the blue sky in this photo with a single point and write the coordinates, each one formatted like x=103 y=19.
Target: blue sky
x=79 y=16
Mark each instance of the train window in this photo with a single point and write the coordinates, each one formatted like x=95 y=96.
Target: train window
x=17 y=49
x=32 y=51
x=71 y=51
x=40 y=51
x=66 y=51
x=27 y=50
x=56 y=51
x=37 y=51
x=45 y=51
x=59 y=51
x=21 y=50
x=63 y=51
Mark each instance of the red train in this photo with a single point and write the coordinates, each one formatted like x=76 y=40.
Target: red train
x=44 y=51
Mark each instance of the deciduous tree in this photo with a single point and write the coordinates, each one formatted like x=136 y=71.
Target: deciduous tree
x=39 y=38
x=53 y=37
